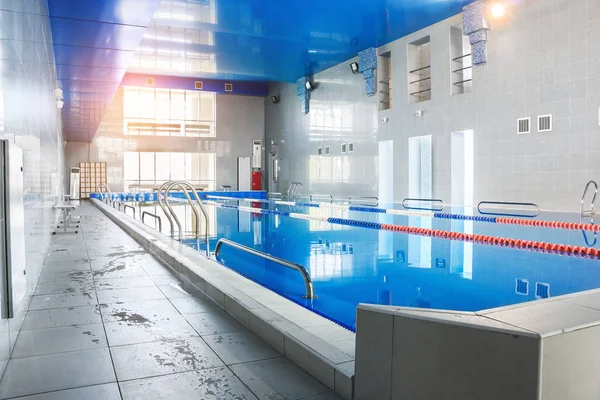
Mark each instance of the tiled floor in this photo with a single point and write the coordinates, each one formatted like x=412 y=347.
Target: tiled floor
x=108 y=321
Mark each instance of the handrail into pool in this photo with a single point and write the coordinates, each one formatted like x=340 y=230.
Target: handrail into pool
x=189 y=199
x=155 y=217
x=432 y=208
x=126 y=206
x=322 y=195
x=274 y=195
x=509 y=203
x=310 y=294
x=165 y=211
x=182 y=185
x=297 y=189
x=359 y=198
x=590 y=212
x=290 y=189
x=101 y=185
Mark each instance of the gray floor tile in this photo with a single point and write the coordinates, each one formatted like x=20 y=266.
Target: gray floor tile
x=213 y=323
x=166 y=279
x=143 y=331
x=327 y=396
x=194 y=305
x=150 y=310
x=63 y=300
x=108 y=391
x=57 y=317
x=64 y=276
x=278 y=379
x=57 y=265
x=119 y=272
x=207 y=384
x=56 y=372
x=58 y=287
x=131 y=294
x=161 y=358
x=123 y=283
x=240 y=347
x=58 y=340
x=174 y=291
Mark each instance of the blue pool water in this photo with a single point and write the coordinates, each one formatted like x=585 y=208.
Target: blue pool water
x=351 y=265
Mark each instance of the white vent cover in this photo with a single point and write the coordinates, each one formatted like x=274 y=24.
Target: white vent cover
x=319 y=151
x=545 y=123
x=351 y=147
x=327 y=150
x=523 y=126
x=344 y=147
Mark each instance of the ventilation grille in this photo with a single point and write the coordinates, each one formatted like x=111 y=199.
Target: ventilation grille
x=523 y=126
x=229 y=87
x=198 y=85
x=351 y=147
x=327 y=150
x=319 y=151
x=344 y=147
x=149 y=81
x=542 y=290
x=522 y=287
x=545 y=123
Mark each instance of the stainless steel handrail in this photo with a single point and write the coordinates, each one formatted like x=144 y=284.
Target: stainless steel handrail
x=310 y=293
x=296 y=192
x=432 y=208
x=155 y=217
x=189 y=199
x=126 y=206
x=589 y=212
x=322 y=195
x=291 y=189
x=98 y=188
x=509 y=203
x=165 y=211
x=183 y=185
x=363 y=198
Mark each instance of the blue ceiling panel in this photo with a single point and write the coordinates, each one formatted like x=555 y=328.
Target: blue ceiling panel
x=93 y=57
x=123 y=12
x=94 y=42
x=99 y=35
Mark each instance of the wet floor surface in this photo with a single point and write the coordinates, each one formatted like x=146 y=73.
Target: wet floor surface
x=108 y=321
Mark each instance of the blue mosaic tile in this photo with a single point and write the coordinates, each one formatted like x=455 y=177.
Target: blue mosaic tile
x=474 y=17
x=479 y=36
x=370 y=73
x=371 y=86
x=300 y=88
x=367 y=59
x=479 y=51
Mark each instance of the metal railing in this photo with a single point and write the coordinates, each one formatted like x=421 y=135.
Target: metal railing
x=358 y=200
x=126 y=206
x=156 y=217
x=294 y=190
x=535 y=213
x=99 y=189
x=321 y=196
x=590 y=212
x=440 y=204
x=165 y=211
x=185 y=186
x=310 y=294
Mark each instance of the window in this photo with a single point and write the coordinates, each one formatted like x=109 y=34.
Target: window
x=147 y=169
x=168 y=112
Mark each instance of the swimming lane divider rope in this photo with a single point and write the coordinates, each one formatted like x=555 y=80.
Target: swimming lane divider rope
x=530 y=245
x=573 y=226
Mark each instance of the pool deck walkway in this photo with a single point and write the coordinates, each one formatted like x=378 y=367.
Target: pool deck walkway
x=108 y=321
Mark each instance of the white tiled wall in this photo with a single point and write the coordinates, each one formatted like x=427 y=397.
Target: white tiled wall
x=543 y=58
x=29 y=117
x=239 y=120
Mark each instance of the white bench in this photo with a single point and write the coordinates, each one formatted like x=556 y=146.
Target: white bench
x=68 y=221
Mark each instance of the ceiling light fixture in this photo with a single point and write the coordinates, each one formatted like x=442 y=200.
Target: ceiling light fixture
x=275 y=99
x=497 y=10
x=354 y=67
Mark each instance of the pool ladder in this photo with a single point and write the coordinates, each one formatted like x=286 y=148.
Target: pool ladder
x=294 y=190
x=591 y=211
x=99 y=189
x=171 y=216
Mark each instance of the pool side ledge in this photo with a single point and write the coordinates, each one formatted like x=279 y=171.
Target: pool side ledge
x=322 y=348
x=547 y=349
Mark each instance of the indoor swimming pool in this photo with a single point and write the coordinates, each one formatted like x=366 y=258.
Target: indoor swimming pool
x=361 y=263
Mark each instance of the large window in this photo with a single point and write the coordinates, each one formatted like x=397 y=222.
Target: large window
x=148 y=169
x=168 y=112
